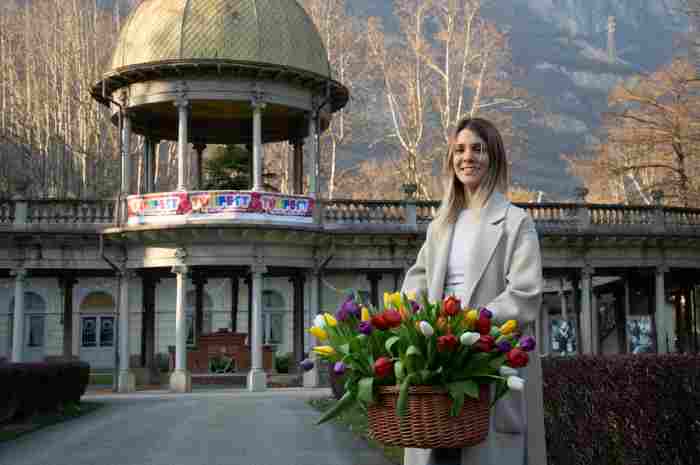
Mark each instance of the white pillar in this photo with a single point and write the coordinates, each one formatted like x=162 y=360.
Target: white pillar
x=311 y=377
x=127 y=380
x=257 y=379
x=126 y=155
x=586 y=311
x=662 y=333
x=258 y=105
x=181 y=379
x=183 y=109
x=18 y=323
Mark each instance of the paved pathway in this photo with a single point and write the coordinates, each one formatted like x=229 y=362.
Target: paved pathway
x=217 y=427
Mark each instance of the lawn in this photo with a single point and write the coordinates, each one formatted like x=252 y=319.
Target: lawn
x=71 y=411
x=355 y=420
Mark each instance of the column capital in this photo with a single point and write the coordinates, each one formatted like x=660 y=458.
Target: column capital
x=258 y=268
x=587 y=272
x=20 y=274
x=661 y=269
x=181 y=269
x=181 y=102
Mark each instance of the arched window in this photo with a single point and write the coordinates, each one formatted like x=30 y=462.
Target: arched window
x=274 y=311
x=190 y=307
x=35 y=319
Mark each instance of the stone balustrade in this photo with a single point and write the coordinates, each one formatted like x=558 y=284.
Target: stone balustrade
x=550 y=218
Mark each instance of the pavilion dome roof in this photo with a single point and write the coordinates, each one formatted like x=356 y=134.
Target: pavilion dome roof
x=265 y=32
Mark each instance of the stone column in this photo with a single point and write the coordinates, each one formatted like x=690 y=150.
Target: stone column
x=181 y=379
x=258 y=106
x=127 y=380
x=20 y=275
x=257 y=379
x=182 y=105
x=66 y=283
x=197 y=166
x=662 y=332
x=311 y=377
x=126 y=155
x=586 y=311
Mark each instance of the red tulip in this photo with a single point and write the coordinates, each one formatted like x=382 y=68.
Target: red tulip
x=517 y=358
x=379 y=322
x=392 y=318
x=483 y=325
x=383 y=366
x=447 y=343
x=451 y=306
x=485 y=343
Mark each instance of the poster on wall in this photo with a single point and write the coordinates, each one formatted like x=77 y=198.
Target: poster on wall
x=640 y=335
x=563 y=337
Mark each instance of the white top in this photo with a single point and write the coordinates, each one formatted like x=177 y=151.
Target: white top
x=462 y=247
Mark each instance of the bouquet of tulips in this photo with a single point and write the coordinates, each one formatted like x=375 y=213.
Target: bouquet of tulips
x=411 y=343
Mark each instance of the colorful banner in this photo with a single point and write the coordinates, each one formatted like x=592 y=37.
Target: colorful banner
x=213 y=204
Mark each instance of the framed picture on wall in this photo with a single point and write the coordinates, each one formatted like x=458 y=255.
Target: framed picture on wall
x=640 y=334
x=563 y=337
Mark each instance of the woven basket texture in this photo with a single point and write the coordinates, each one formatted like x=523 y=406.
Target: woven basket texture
x=428 y=424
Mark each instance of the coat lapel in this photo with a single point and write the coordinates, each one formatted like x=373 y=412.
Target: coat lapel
x=442 y=252
x=489 y=235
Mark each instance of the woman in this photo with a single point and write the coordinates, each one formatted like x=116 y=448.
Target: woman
x=485 y=251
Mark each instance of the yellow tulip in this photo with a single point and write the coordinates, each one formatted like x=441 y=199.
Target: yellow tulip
x=330 y=319
x=392 y=300
x=324 y=350
x=472 y=317
x=365 y=316
x=508 y=327
x=411 y=295
x=320 y=333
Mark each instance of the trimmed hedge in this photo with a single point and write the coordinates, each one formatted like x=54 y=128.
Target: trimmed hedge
x=620 y=410
x=26 y=388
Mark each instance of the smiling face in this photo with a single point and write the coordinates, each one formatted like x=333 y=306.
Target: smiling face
x=470 y=159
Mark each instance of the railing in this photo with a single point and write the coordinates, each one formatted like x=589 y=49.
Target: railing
x=550 y=218
x=364 y=212
x=70 y=212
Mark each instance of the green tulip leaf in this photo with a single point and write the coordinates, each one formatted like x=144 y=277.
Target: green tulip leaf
x=399 y=371
x=346 y=401
x=402 y=403
x=497 y=362
x=390 y=343
x=365 y=392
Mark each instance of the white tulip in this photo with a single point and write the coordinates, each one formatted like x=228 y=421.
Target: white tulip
x=506 y=371
x=469 y=339
x=426 y=329
x=516 y=383
x=320 y=321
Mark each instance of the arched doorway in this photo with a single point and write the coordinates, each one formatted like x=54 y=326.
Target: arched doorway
x=34 y=346
x=97 y=335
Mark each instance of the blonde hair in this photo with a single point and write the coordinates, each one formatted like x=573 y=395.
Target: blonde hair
x=456 y=197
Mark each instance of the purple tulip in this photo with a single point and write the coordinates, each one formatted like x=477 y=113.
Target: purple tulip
x=339 y=368
x=306 y=364
x=485 y=312
x=527 y=343
x=347 y=309
x=414 y=306
x=365 y=328
x=504 y=346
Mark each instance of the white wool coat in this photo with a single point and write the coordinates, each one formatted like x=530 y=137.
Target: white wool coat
x=504 y=274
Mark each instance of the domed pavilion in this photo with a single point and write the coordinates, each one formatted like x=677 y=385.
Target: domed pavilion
x=216 y=72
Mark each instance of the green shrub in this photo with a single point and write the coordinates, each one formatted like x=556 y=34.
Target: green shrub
x=283 y=361
x=221 y=364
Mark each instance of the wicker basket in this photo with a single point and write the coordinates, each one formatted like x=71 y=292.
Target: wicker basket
x=428 y=424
